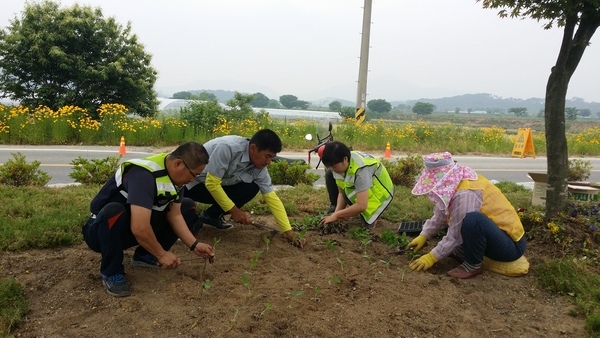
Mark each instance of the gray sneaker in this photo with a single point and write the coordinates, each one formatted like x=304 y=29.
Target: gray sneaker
x=116 y=285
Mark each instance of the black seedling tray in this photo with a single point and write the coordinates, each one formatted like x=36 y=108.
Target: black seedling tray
x=411 y=228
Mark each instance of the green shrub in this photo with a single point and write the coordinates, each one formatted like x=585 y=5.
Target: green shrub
x=94 y=171
x=579 y=170
x=284 y=173
x=405 y=170
x=13 y=305
x=19 y=173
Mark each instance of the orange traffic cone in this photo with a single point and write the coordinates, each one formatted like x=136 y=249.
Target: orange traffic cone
x=388 y=151
x=122 y=150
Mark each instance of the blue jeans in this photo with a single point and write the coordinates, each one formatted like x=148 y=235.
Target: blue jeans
x=482 y=237
x=109 y=233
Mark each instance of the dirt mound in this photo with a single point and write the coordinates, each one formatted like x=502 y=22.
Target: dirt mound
x=334 y=287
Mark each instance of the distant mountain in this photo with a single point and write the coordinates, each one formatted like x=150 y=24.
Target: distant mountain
x=474 y=102
x=492 y=103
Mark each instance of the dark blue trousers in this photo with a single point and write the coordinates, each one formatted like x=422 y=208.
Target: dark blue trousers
x=482 y=237
x=240 y=194
x=109 y=233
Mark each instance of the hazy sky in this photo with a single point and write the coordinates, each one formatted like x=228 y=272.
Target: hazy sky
x=311 y=48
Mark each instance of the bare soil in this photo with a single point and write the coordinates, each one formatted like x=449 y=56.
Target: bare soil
x=289 y=293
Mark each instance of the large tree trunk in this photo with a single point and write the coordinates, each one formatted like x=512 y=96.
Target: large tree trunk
x=571 y=51
x=556 y=141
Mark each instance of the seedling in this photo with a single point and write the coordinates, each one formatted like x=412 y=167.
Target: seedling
x=246 y=280
x=233 y=320
x=267 y=241
x=254 y=260
x=294 y=295
x=207 y=285
x=267 y=308
x=339 y=260
x=216 y=241
x=402 y=272
x=334 y=280
x=386 y=263
x=331 y=244
x=317 y=290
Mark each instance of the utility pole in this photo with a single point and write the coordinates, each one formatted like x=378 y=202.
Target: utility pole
x=361 y=93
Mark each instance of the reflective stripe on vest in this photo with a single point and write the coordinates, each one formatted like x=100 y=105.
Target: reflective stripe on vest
x=165 y=189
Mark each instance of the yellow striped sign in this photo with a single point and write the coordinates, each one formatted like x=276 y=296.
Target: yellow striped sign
x=360 y=115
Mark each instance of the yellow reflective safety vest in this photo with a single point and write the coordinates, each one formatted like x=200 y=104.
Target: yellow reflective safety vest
x=496 y=206
x=112 y=191
x=381 y=192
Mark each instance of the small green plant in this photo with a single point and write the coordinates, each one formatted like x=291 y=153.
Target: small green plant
x=334 y=280
x=341 y=262
x=267 y=308
x=267 y=241
x=254 y=259
x=331 y=244
x=246 y=280
x=363 y=236
x=94 y=171
x=207 y=284
x=392 y=239
x=317 y=289
x=17 y=172
x=293 y=295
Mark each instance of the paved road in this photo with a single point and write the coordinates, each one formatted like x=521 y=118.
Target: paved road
x=55 y=160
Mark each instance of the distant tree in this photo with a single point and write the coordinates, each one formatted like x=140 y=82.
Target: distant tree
x=182 y=95
x=239 y=106
x=335 y=106
x=518 y=111
x=423 y=108
x=274 y=104
x=259 y=100
x=349 y=112
x=571 y=113
x=585 y=112
x=541 y=113
x=288 y=101
x=580 y=19
x=379 y=106
x=456 y=110
x=302 y=104
x=205 y=96
x=56 y=57
x=291 y=101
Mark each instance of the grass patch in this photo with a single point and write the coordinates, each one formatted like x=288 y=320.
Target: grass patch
x=13 y=305
x=41 y=217
x=569 y=277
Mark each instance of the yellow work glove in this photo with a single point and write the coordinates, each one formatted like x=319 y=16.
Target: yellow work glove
x=424 y=262
x=417 y=243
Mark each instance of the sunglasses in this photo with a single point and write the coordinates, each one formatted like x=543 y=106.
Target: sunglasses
x=188 y=168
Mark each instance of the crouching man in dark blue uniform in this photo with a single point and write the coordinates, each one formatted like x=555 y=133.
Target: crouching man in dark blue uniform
x=143 y=204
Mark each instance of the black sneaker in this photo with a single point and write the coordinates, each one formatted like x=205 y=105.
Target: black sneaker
x=144 y=261
x=331 y=209
x=116 y=285
x=218 y=223
x=369 y=226
x=196 y=227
